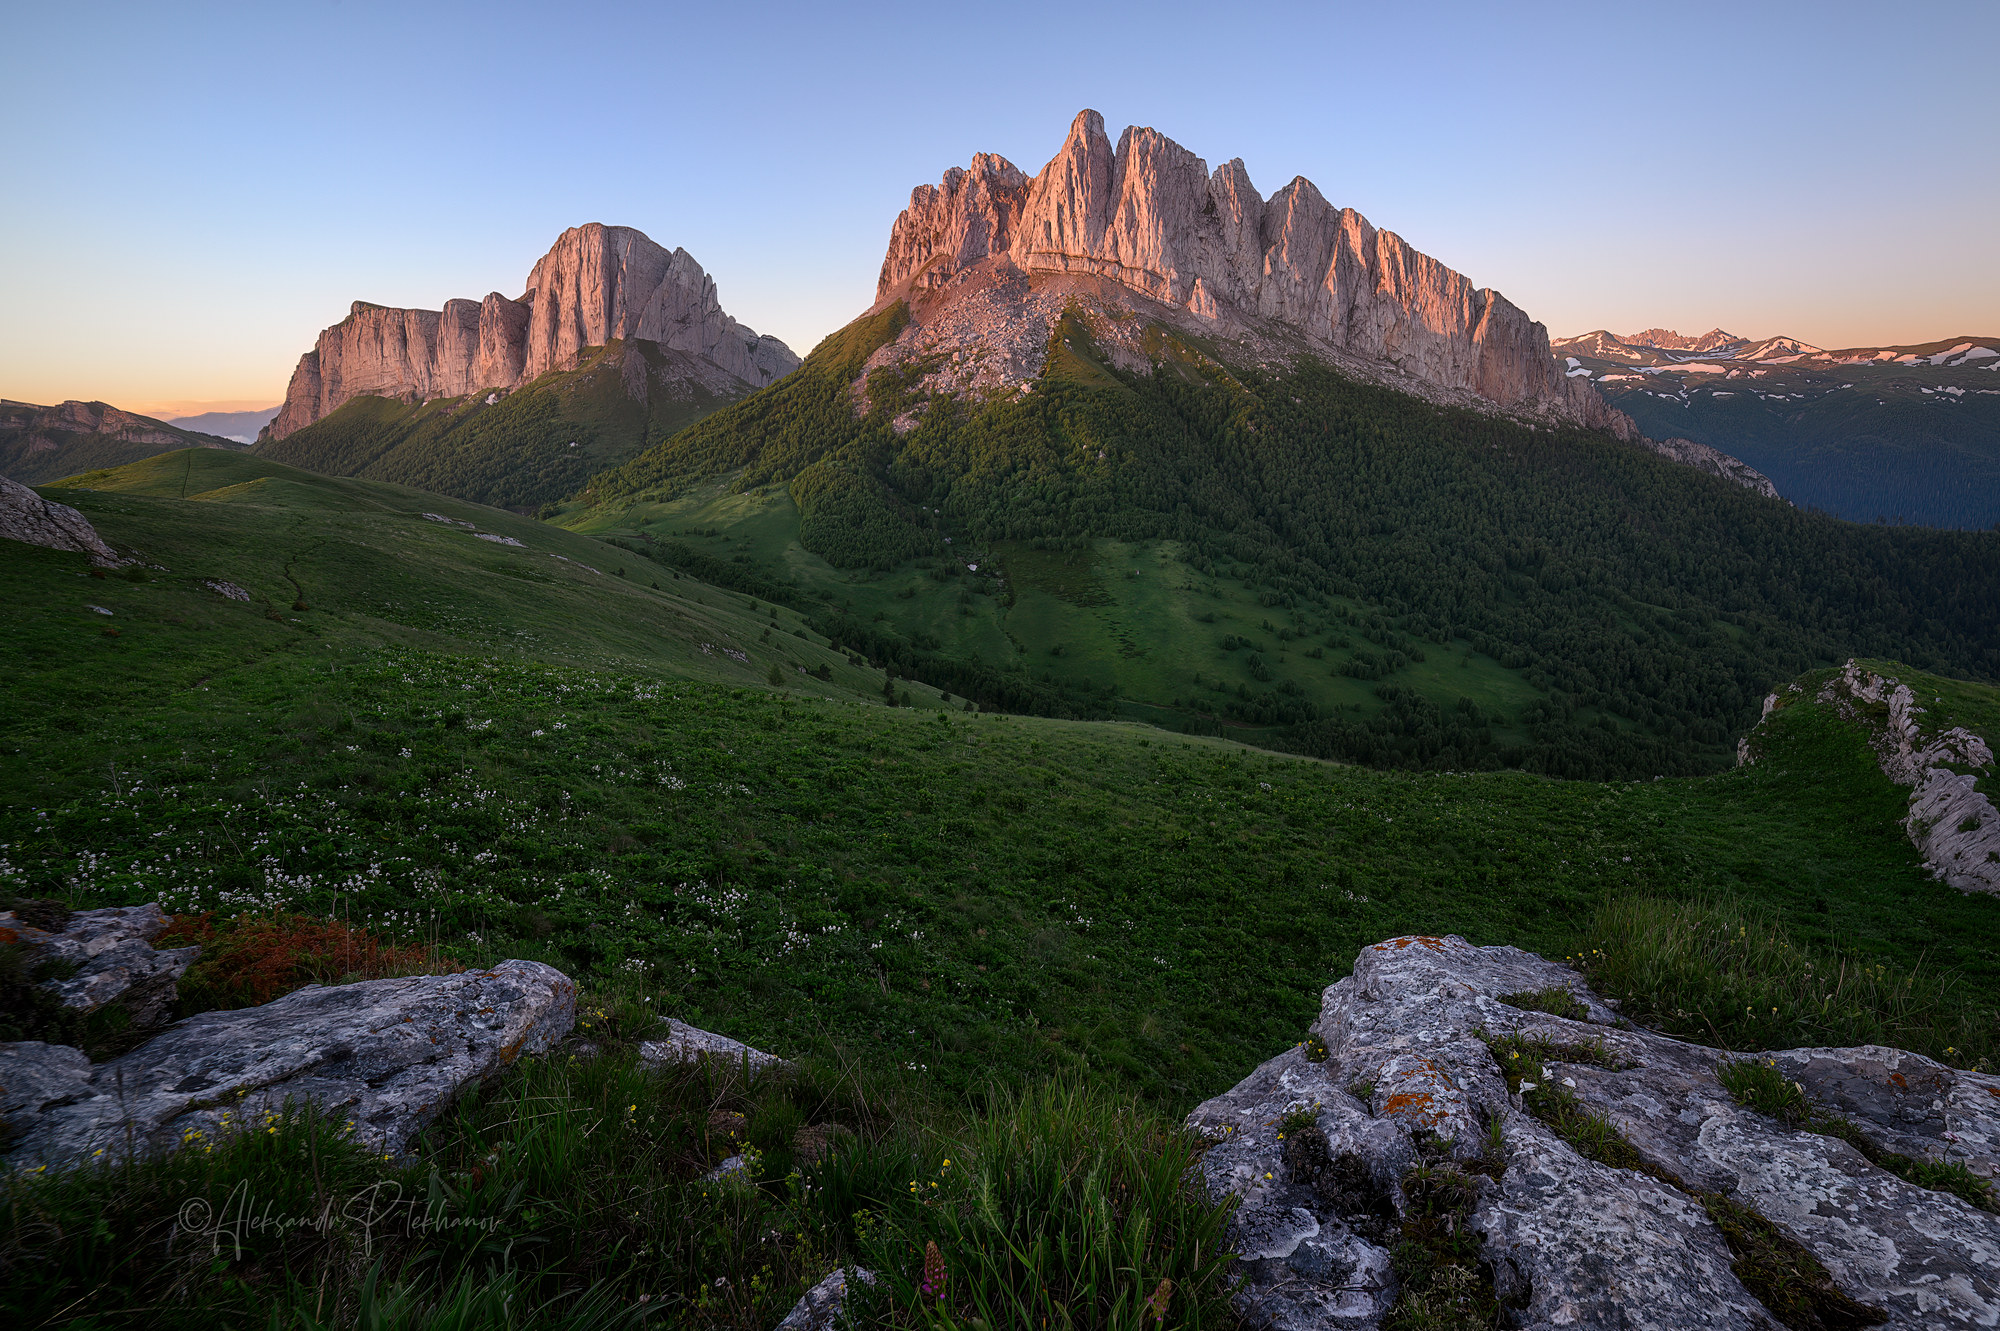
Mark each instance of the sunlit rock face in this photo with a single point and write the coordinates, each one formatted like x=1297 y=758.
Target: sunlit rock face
x=597 y=284
x=1415 y=1070
x=1150 y=219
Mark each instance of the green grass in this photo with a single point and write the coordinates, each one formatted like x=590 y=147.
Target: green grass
x=971 y=894
x=490 y=751
x=574 y=1193
x=1059 y=1205
x=371 y=569
x=1135 y=622
x=525 y=449
x=1726 y=974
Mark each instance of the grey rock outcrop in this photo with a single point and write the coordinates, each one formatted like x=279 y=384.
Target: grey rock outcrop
x=1713 y=461
x=389 y=1055
x=1409 y=1075
x=1149 y=217
x=819 y=1308
x=687 y=1044
x=596 y=285
x=1950 y=821
x=27 y=517
x=116 y=962
x=37 y=1077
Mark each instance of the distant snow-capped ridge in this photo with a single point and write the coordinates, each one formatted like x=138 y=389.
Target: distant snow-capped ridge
x=1662 y=347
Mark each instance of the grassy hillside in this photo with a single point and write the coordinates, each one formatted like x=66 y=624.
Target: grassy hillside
x=38 y=445
x=502 y=751
x=329 y=562
x=487 y=750
x=1294 y=558
x=520 y=450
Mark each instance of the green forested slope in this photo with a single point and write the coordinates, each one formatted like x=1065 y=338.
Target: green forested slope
x=520 y=451
x=1321 y=550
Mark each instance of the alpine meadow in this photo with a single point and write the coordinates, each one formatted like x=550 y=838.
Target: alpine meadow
x=1184 y=770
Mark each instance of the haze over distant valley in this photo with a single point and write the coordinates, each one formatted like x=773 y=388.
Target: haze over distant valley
x=1899 y=433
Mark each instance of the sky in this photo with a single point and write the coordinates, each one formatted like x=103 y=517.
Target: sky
x=194 y=191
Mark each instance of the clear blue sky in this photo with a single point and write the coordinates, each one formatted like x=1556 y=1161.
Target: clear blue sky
x=193 y=191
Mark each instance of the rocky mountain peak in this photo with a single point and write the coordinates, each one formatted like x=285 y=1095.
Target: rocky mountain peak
x=1666 y=339
x=1146 y=225
x=597 y=284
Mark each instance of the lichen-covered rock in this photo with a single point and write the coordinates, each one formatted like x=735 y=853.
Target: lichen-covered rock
x=819 y=1308
x=1305 y=1259
x=116 y=960
x=1576 y=1243
x=27 y=517
x=387 y=1055
x=686 y=1044
x=1409 y=1076
x=1952 y=824
x=37 y=1077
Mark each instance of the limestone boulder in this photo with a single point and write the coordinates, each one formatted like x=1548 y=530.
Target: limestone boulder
x=1410 y=1077
x=27 y=517
x=819 y=1308
x=687 y=1044
x=386 y=1055
x=115 y=960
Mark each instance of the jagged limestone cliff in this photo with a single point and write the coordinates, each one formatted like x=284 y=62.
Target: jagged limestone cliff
x=1206 y=252
x=596 y=285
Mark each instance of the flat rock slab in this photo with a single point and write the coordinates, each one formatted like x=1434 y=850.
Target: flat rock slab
x=819 y=1308
x=1570 y=1242
x=26 y=516
x=688 y=1044
x=387 y=1055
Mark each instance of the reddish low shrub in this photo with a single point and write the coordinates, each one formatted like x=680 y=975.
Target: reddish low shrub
x=249 y=960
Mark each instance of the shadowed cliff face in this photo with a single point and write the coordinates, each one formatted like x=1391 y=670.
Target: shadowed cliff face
x=595 y=285
x=1151 y=217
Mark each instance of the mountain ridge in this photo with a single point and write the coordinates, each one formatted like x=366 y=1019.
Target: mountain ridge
x=597 y=284
x=1209 y=255
x=42 y=444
